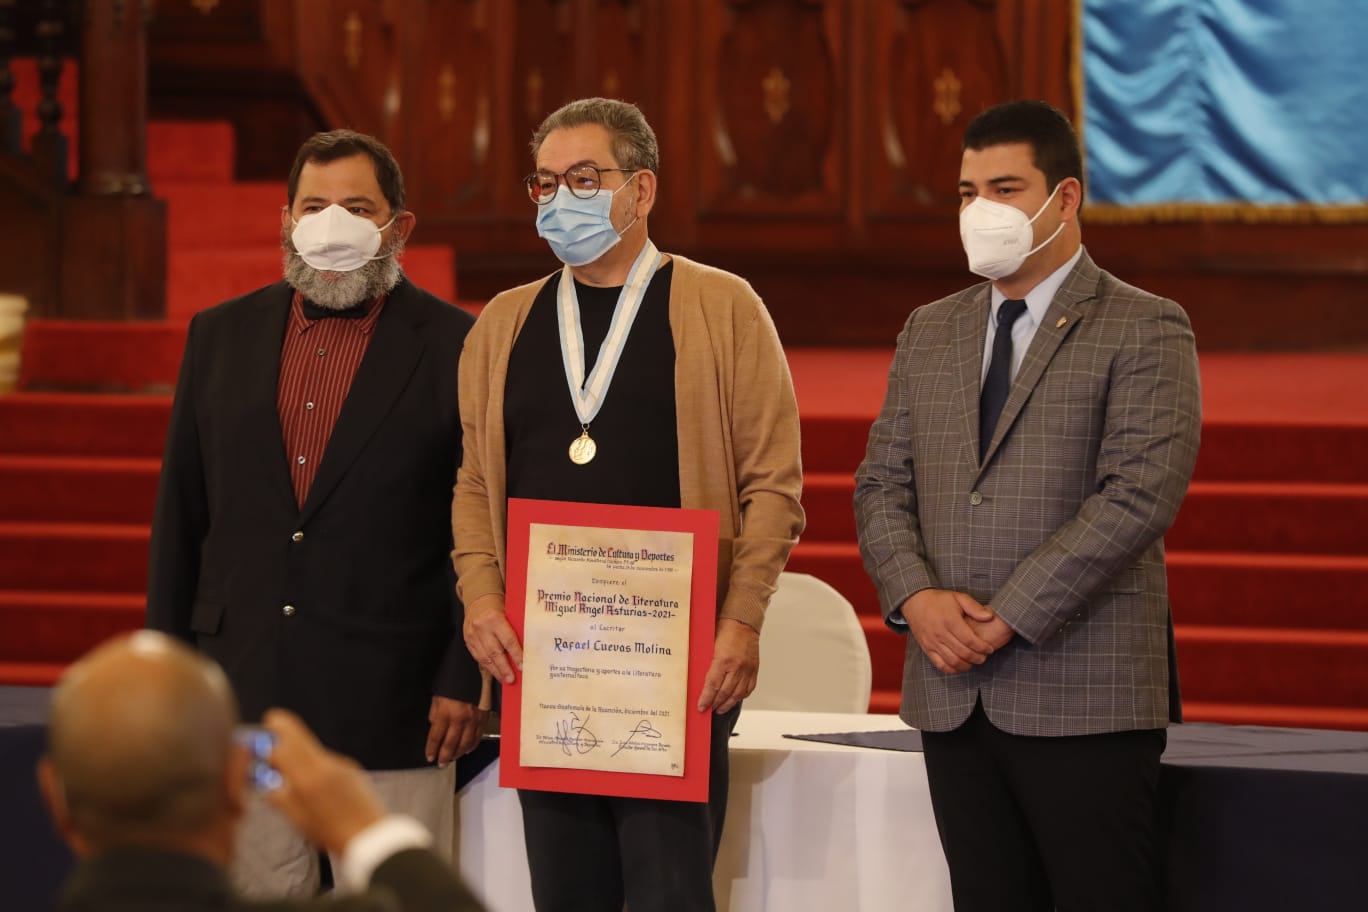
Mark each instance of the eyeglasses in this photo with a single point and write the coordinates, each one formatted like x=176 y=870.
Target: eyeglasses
x=584 y=182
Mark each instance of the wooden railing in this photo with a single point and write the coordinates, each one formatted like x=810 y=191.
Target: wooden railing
x=93 y=248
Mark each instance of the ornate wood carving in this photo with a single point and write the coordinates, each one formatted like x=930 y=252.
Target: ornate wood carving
x=449 y=90
x=936 y=63
x=811 y=145
x=546 y=67
x=624 y=44
x=350 y=60
x=774 y=84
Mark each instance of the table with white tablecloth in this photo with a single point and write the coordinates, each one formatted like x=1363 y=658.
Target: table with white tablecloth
x=809 y=825
x=1254 y=818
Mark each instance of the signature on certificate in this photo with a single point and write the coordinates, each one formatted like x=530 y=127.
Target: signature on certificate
x=645 y=729
x=572 y=732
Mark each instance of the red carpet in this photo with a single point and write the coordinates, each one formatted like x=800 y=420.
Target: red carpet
x=1268 y=561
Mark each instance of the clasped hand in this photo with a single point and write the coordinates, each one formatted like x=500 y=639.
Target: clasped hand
x=954 y=630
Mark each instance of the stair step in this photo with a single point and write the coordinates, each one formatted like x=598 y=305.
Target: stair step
x=78 y=424
x=1230 y=451
x=61 y=626
x=1268 y=590
x=1244 y=589
x=1300 y=518
x=1272 y=593
x=94 y=356
x=888 y=700
x=188 y=150
x=1251 y=665
x=207 y=214
x=828 y=503
x=1283 y=451
x=1235 y=677
x=1337 y=717
x=834 y=444
x=839 y=565
x=63 y=557
x=30 y=674
x=199 y=279
x=77 y=489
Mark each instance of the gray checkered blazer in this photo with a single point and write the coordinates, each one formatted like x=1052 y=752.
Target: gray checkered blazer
x=1060 y=529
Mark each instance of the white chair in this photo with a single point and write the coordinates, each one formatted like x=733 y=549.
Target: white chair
x=813 y=652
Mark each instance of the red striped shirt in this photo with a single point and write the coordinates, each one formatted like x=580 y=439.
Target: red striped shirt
x=317 y=365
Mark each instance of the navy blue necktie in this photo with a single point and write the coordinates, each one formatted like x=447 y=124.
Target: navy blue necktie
x=998 y=383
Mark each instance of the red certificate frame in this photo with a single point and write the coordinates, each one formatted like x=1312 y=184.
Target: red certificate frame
x=703 y=524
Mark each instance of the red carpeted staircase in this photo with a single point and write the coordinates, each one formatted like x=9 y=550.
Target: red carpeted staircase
x=78 y=470
x=1268 y=563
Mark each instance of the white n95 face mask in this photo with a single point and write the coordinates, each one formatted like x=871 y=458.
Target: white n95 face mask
x=997 y=237
x=334 y=240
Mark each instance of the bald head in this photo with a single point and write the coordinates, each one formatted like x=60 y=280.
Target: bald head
x=140 y=738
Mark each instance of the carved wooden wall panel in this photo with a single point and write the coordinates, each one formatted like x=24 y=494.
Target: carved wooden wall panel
x=448 y=121
x=810 y=145
x=936 y=63
x=623 y=52
x=774 y=86
x=349 y=57
x=547 y=70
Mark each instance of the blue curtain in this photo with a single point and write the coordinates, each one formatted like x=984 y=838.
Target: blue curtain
x=1221 y=102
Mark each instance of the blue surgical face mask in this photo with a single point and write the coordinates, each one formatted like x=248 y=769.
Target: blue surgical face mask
x=579 y=231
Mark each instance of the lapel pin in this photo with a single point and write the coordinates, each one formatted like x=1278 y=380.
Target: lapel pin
x=1062 y=321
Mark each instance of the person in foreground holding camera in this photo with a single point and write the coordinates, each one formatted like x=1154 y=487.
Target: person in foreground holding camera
x=146 y=780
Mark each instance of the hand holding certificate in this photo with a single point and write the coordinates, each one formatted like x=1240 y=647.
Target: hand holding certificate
x=615 y=610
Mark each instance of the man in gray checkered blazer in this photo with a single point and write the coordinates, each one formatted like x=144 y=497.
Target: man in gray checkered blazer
x=1037 y=438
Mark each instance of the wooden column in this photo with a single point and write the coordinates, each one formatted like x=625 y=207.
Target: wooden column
x=114 y=99
x=114 y=232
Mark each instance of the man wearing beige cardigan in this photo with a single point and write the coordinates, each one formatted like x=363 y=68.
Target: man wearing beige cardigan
x=697 y=411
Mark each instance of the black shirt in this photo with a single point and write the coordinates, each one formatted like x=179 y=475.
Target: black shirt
x=637 y=463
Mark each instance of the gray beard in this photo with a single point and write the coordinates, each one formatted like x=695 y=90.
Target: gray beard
x=340 y=290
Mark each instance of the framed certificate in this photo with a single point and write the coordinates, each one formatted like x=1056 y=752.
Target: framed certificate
x=615 y=608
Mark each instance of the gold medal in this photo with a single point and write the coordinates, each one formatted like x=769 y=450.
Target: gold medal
x=583 y=448
x=587 y=393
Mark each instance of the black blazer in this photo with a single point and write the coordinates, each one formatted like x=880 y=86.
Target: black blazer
x=149 y=880
x=373 y=628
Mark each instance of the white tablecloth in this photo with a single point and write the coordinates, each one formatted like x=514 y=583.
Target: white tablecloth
x=809 y=826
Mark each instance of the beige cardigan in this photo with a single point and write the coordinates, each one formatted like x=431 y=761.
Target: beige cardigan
x=738 y=436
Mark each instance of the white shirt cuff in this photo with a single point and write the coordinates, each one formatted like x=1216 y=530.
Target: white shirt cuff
x=375 y=845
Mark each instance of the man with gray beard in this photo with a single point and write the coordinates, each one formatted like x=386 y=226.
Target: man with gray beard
x=302 y=529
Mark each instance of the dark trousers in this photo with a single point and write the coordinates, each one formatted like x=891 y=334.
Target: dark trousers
x=590 y=853
x=1047 y=823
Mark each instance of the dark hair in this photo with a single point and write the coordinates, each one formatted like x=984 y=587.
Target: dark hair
x=337 y=144
x=634 y=142
x=1053 y=142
